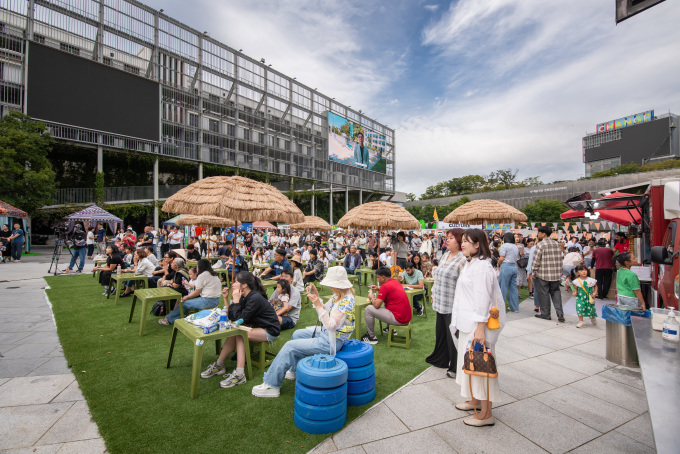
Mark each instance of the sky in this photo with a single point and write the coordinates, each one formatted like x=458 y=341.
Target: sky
x=470 y=86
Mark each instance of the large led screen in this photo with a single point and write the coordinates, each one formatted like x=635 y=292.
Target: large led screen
x=354 y=144
x=75 y=91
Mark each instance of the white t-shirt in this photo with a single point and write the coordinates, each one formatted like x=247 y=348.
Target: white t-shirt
x=90 y=237
x=145 y=267
x=210 y=285
x=176 y=237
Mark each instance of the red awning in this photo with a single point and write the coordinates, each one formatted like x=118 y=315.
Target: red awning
x=263 y=225
x=8 y=210
x=614 y=211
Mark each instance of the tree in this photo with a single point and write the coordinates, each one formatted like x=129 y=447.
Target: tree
x=503 y=178
x=27 y=176
x=410 y=197
x=544 y=211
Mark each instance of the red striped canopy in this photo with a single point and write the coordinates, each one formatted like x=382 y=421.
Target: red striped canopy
x=8 y=210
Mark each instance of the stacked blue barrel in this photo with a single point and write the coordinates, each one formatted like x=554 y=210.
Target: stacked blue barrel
x=361 y=376
x=321 y=394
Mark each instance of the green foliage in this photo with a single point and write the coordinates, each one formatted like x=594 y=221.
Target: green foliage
x=544 y=211
x=469 y=184
x=27 y=177
x=426 y=213
x=99 y=189
x=636 y=168
x=410 y=197
x=118 y=371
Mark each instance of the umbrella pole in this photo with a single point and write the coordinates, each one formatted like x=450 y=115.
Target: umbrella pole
x=233 y=245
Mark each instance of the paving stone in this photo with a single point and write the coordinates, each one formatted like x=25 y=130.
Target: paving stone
x=47 y=449
x=19 y=367
x=45 y=326
x=4 y=348
x=628 y=397
x=546 y=340
x=354 y=450
x=625 y=375
x=54 y=366
x=639 y=429
x=420 y=406
x=95 y=446
x=12 y=337
x=451 y=390
x=505 y=355
x=578 y=336
x=42 y=337
x=520 y=385
x=325 y=447
x=548 y=428
x=418 y=441
x=24 y=425
x=526 y=348
x=33 y=390
x=76 y=424
x=596 y=348
x=590 y=410
x=513 y=330
x=546 y=371
x=491 y=439
x=362 y=430
x=3 y=381
x=24 y=350
x=613 y=443
x=70 y=394
x=579 y=363
x=432 y=373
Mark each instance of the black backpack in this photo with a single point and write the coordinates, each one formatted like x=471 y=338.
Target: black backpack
x=158 y=309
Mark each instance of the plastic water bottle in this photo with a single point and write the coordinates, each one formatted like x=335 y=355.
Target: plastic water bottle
x=671 y=327
x=223 y=319
x=118 y=269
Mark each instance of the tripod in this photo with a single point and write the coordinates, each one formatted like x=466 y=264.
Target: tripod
x=58 y=246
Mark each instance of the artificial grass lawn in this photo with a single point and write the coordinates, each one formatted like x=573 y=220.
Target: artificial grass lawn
x=140 y=406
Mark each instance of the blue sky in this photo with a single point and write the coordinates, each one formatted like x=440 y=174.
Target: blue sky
x=470 y=86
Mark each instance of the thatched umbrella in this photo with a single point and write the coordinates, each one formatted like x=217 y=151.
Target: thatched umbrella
x=485 y=210
x=206 y=221
x=238 y=198
x=312 y=223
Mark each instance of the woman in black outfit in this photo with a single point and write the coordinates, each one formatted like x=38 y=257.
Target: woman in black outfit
x=4 y=241
x=253 y=308
x=112 y=262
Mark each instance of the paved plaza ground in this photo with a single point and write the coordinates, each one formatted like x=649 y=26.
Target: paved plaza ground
x=559 y=393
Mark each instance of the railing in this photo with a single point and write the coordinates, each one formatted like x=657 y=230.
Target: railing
x=114 y=194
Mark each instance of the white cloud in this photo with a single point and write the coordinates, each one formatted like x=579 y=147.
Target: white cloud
x=535 y=121
x=431 y=8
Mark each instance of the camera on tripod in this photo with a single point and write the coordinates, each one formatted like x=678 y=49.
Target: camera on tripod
x=60 y=230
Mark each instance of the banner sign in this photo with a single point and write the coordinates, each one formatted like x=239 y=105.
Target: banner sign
x=636 y=119
x=510 y=226
x=448 y=225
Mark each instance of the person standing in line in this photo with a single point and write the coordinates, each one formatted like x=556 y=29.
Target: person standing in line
x=477 y=292
x=546 y=267
x=446 y=275
x=507 y=263
x=604 y=265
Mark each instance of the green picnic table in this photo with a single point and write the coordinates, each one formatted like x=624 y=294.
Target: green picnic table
x=198 y=339
x=428 y=283
x=411 y=292
x=122 y=277
x=360 y=303
x=148 y=296
x=98 y=263
x=363 y=274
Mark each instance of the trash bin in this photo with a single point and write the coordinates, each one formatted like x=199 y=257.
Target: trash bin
x=621 y=348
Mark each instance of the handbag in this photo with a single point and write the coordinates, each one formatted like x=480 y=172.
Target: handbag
x=591 y=300
x=481 y=364
x=522 y=262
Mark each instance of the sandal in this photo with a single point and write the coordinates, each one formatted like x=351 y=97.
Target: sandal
x=451 y=374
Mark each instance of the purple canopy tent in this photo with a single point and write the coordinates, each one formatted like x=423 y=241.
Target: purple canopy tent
x=94 y=214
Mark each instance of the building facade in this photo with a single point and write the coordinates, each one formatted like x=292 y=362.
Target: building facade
x=639 y=139
x=119 y=75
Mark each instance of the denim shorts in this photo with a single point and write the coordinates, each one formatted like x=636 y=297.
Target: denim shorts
x=270 y=338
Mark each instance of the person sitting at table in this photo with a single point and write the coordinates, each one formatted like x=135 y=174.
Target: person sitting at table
x=249 y=304
x=413 y=278
x=305 y=255
x=337 y=325
x=426 y=265
x=314 y=270
x=236 y=261
x=277 y=265
x=164 y=270
x=268 y=254
x=386 y=258
x=113 y=261
x=205 y=296
x=352 y=260
x=397 y=310
x=373 y=261
x=193 y=253
x=179 y=276
x=298 y=280
x=128 y=256
x=258 y=257
x=143 y=267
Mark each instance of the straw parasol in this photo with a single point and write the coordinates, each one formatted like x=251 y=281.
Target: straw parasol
x=206 y=221
x=380 y=215
x=236 y=198
x=485 y=210
x=312 y=223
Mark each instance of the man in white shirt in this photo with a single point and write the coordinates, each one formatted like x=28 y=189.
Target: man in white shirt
x=305 y=254
x=573 y=242
x=175 y=238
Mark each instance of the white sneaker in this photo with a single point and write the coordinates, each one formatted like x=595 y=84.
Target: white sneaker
x=264 y=390
x=593 y=320
x=580 y=325
x=213 y=370
x=290 y=375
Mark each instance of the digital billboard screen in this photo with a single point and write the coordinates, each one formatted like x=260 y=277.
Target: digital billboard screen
x=354 y=144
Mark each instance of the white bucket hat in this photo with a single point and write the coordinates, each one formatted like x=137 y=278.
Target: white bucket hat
x=336 y=278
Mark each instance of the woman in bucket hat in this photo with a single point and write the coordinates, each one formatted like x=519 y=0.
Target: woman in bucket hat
x=337 y=325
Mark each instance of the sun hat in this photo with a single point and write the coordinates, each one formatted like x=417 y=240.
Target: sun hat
x=336 y=278
x=296 y=258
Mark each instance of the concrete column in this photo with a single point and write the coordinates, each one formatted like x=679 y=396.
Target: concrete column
x=330 y=221
x=155 y=194
x=346 y=199
x=200 y=170
x=361 y=196
x=313 y=201
x=100 y=156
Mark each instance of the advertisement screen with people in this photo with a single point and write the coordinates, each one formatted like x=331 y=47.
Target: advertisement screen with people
x=354 y=144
